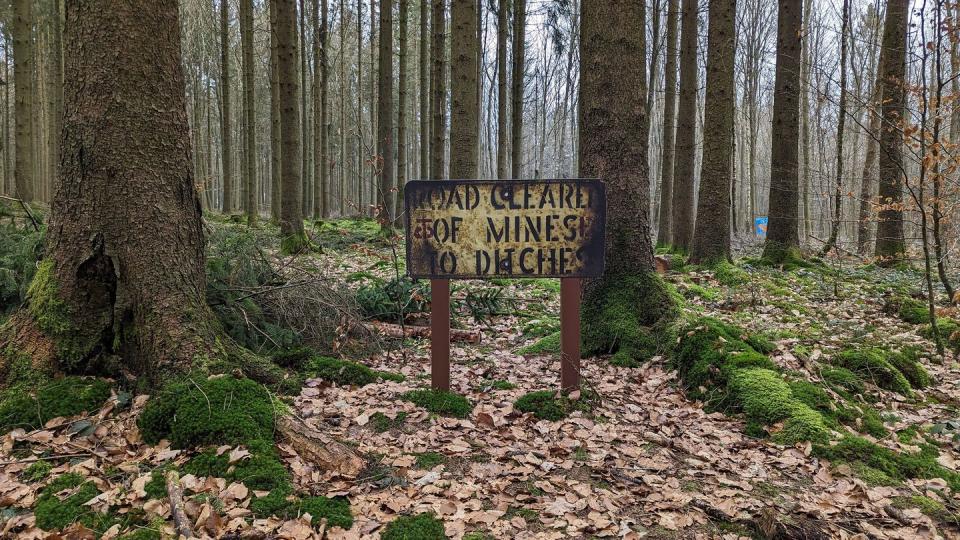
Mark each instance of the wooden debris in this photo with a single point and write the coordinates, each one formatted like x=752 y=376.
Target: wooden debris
x=318 y=448
x=181 y=523
x=397 y=331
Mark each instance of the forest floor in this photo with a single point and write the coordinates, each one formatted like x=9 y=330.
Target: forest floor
x=642 y=461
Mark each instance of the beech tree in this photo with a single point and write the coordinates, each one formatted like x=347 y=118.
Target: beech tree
x=782 y=237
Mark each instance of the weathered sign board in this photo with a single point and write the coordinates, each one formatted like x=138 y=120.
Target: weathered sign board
x=476 y=229
x=481 y=229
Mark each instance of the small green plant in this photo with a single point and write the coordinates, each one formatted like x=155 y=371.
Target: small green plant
x=549 y=344
x=419 y=527
x=429 y=460
x=336 y=511
x=262 y=470
x=440 y=402
x=552 y=405
x=381 y=423
x=38 y=470
x=394 y=299
x=341 y=372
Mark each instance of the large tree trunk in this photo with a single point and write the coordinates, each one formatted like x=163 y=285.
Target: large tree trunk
x=23 y=66
x=464 y=121
x=669 y=125
x=425 y=95
x=107 y=286
x=438 y=90
x=686 y=141
x=503 y=148
x=249 y=112
x=276 y=180
x=291 y=216
x=782 y=236
x=226 y=134
x=516 y=91
x=385 y=115
x=712 y=239
x=890 y=244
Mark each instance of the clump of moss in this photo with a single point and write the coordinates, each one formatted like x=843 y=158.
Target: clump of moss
x=766 y=398
x=217 y=410
x=276 y=503
x=440 y=402
x=67 y=396
x=20 y=250
x=907 y=362
x=629 y=316
x=897 y=466
x=38 y=470
x=549 y=344
x=872 y=365
x=156 y=487
x=949 y=331
x=729 y=274
x=843 y=380
x=262 y=470
x=424 y=526
x=281 y=503
x=380 y=422
x=429 y=460
x=786 y=257
x=345 y=372
x=929 y=506
x=53 y=513
x=143 y=533
x=912 y=310
x=552 y=405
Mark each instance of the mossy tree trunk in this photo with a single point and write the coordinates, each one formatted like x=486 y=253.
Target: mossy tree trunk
x=782 y=236
x=711 y=241
x=628 y=296
x=124 y=276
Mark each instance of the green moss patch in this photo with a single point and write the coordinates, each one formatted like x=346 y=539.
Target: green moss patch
x=911 y=310
x=552 y=405
x=345 y=372
x=429 y=460
x=38 y=470
x=20 y=250
x=907 y=362
x=53 y=512
x=549 y=344
x=629 y=316
x=213 y=411
x=419 y=527
x=896 y=466
x=766 y=398
x=67 y=396
x=440 y=402
x=381 y=423
x=262 y=470
x=929 y=506
x=873 y=365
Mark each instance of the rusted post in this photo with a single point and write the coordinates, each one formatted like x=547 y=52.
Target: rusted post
x=440 y=334
x=570 y=333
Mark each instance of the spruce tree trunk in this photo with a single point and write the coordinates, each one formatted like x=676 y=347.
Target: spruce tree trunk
x=782 y=237
x=385 y=117
x=401 y=114
x=426 y=44
x=711 y=242
x=686 y=143
x=516 y=91
x=664 y=229
x=464 y=115
x=438 y=90
x=503 y=148
x=111 y=285
x=291 y=216
x=321 y=129
x=226 y=130
x=890 y=246
x=276 y=180
x=23 y=67
x=306 y=199
x=249 y=112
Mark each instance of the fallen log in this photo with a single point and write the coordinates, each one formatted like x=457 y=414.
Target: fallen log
x=409 y=331
x=181 y=523
x=319 y=448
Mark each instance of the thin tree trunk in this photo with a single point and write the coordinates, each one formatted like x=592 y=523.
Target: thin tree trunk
x=276 y=145
x=385 y=117
x=305 y=168
x=23 y=79
x=869 y=175
x=426 y=96
x=226 y=133
x=686 y=147
x=249 y=110
x=516 y=92
x=291 y=217
x=503 y=148
x=439 y=90
x=401 y=114
x=711 y=241
x=841 y=121
x=664 y=230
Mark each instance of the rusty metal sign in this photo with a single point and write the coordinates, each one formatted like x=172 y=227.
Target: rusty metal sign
x=476 y=229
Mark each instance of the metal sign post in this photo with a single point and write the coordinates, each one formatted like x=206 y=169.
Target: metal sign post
x=479 y=229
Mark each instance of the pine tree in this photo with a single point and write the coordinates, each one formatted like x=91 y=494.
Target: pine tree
x=291 y=211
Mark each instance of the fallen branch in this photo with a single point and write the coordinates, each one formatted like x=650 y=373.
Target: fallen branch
x=397 y=331
x=180 y=522
x=45 y=458
x=318 y=448
x=26 y=208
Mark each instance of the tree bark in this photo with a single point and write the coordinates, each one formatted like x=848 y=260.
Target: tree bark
x=439 y=90
x=782 y=235
x=869 y=175
x=385 y=116
x=516 y=91
x=321 y=129
x=23 y=63
x=291 y=216
x=249 y=112
x=841 y=121
x=711 y=242
x=464 y=115
x=503 y=148
x=276 y=173
x=890 y=245
x=669 y=125
x=226 y=133
x=401 y=114
x=425 y=95
x=686 y=144
x=306 y=199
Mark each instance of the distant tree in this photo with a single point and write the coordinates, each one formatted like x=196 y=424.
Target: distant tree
x=226 y=133
x=276 y=182
x=711 y=241
x=686 y=143
x=503 y=145
x=438 y=89
x=426 y=96
x=782 y=236
x=402 y=85
x=291 y=211
x=23 y=67
x=890 y=245
x=321 y=126
x=251 y=189
x=385 y=116
x=669 y=125
x=517 y=90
